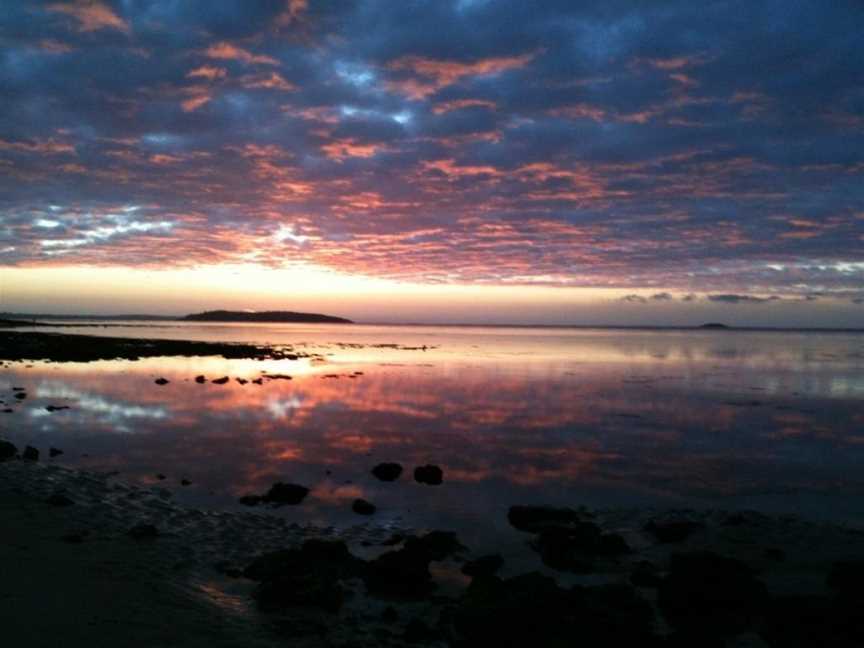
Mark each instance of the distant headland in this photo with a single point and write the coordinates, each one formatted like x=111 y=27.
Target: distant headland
x=264 y=316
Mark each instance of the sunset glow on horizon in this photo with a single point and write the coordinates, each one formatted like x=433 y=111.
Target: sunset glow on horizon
x=475 y=161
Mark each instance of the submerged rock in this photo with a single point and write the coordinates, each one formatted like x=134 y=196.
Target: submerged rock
x=483 y=566
x=536 y=518
x=30 y=454
x=143 y=532
x=671 y=530
x=387 y=471
x=251 y=500
x=711 y=593
x=281 y=493
x=161 y=381
x=429 y=474
x=220 y=381
x=532 y=610
x=200 y=379
x=404 y=573
x=308 y=576
x=8 y=450
x=54 y=452
x=59 y=499
x=362 y=507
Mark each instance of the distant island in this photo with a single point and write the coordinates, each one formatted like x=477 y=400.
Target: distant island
x=714 y=325
x=264 y=316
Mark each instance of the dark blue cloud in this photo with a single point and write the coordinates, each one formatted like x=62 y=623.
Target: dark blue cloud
x=686 y=146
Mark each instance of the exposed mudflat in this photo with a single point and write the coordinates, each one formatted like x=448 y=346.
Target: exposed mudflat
x=100 y=562
x=63 y=347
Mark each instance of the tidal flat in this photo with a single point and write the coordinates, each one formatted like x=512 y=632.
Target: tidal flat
x=569 y=481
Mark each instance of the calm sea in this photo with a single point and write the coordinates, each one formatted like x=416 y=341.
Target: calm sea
x=603 y=418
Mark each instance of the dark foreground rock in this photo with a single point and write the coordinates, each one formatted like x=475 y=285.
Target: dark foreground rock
x=7 y=450
x=362 y=507
x=429 y=474
x=281 y=493
x=669 y=530
x=534 y=519
x=483 y=566
x=404 y=573
x=533 y=610
x=308 y=576
x=711 y=594
x=30 y=454
x=387 y=471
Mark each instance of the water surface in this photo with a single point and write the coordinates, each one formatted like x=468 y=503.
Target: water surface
x=704 y=419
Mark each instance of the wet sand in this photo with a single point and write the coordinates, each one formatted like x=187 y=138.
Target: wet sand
x=74 y=571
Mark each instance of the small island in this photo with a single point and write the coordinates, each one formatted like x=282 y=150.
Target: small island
x=713 y=325
x=264 y=316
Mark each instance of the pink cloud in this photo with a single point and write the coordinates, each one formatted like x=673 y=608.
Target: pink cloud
x=91 y=15
x=227 y=52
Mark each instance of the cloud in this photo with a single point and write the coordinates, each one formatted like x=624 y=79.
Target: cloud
x=669 y=150
x=227 y=52
x=741 y=299
x=90 y=15
x=426 y=76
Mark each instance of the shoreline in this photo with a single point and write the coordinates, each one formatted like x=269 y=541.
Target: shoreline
x=18 y=346
x=103 y=582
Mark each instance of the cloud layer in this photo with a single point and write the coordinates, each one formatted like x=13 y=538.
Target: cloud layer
x=676 y=146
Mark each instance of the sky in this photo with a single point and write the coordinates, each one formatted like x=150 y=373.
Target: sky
x=488 y=161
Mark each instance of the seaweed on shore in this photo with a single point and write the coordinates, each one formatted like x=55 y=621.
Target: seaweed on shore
x=62 y=347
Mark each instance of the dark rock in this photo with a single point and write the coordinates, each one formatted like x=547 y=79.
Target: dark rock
x=30 y=454
x=20 y=395
x=389 y=615
x=7 y=450
x=570 y=548
x=220 y=381
x=8 y=410
x=302 y=587
x=308 y=576
x=56 y=408
x=143 y=532
x=672 y=529
x=72 y=538
x=775 y=554
x=200 y=379
x=436 y=545
x=59 y=499
x=387 y=471
x=258 y=381
x=161 y=381
x=417 y=631
x=185 y=482
x=281 y=493
x=805 y=621
x=251 y=500
x=363 y=507
x=536 y=518
x=645 y=574
x=241 y=381
x=428 y=474
x=402 y=574
x=532 y=610
x=846 y=578
x=483 y=566
x=161 y=477
x=54 y=452
x=394 y=539
x=613 y=544
x=711 y=593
